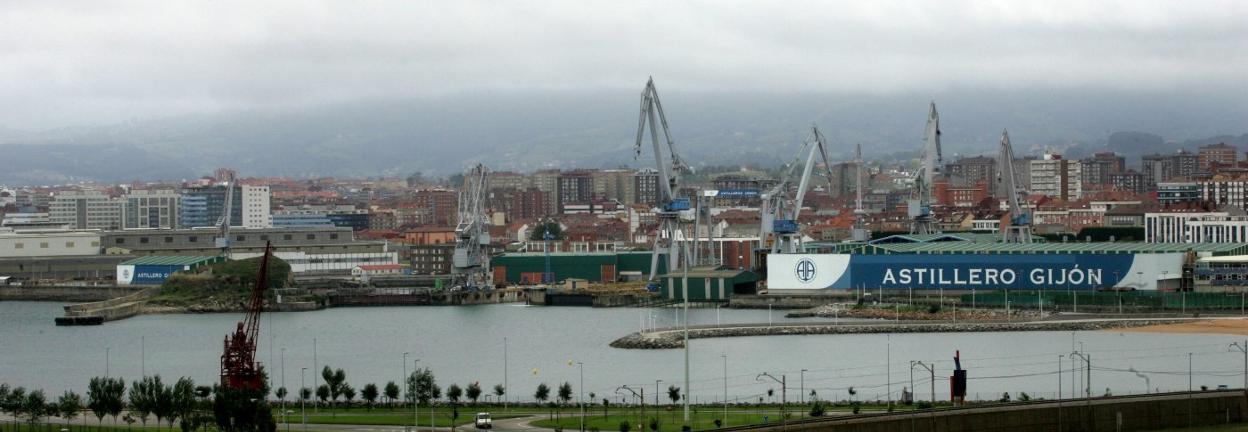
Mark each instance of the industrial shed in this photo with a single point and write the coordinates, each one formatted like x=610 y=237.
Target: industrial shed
x=708 y=284
x=153 y=270
x=526 y=268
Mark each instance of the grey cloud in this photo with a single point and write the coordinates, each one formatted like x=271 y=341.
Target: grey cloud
x=74 y=63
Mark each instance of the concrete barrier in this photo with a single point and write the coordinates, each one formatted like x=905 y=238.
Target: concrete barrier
x=96 y=313
x=64 y=293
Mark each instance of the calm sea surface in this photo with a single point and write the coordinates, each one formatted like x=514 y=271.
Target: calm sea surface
x=466 y=344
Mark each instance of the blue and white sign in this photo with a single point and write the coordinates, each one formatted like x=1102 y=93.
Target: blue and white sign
x=971 y=271
x=805 y=270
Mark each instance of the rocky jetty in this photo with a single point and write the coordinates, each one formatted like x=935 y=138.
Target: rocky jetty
x=673 y=337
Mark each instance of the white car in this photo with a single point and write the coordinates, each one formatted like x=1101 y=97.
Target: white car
x=483 y=421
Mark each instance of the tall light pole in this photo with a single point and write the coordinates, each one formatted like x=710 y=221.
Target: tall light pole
x=143 y=355
x=1244 y=349
x=505 y=387
x=801 y=379
x=284 y=386
x=580 y=389
x=404 y=380
x=303 y=401
x=315 y=383
x=416 y=402
x=685 y=284
x=106 y=359
x=725 y=357
x=656 y=393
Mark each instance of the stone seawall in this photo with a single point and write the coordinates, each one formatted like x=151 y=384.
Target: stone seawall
x=65 y=293
x=669 y=338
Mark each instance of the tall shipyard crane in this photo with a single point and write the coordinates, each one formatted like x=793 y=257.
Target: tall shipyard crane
x=919 y=207
x=238 y=361
x=471 y=263
x=859 y=232
x=1019 y=230
x=222 y=242
x=781 y=220
x=670 y=206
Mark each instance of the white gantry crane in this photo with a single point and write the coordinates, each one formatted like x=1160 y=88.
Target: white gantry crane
x=471 y=262
x=920 y=205
x=1019 y=230
x=779 y=212
x=668 y=239
x=859 y=233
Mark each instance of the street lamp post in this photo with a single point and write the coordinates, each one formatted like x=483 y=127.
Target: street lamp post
x=931 y=369
x=415 y=401
x=284 y=386
x=303 y=402
x=315 y=383
x=656 y=393
x=106 y=361
x=801 y=380
x=725 y=357
x=1087 y=358
x=783 y=392
x=1244 y=349
x=505 y=388
x=581 y=393
x=640 y=396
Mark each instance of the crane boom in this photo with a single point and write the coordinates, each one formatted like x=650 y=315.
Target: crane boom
x=1019 y=230
x=920 y=206
x=785 y=224
x=670 y=231
x=222 y=241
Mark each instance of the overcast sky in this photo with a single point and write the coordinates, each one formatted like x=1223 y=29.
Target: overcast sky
x=67 y=63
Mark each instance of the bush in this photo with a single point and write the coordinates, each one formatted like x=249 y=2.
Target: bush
x=924 y=405
x=857 y=407
x=1024 y=397
x=933 y=309
x=719 y=423
x=817 y=409
x=654 y=424
x=625 y=426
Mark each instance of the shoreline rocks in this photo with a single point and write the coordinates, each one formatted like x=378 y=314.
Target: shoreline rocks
x=673 y=338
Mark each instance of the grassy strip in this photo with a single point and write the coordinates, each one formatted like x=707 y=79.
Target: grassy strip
x=440 y=419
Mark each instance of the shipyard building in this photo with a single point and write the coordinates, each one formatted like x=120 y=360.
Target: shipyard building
x=968 y=261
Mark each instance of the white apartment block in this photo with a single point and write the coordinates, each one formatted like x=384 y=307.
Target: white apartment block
x=256 y=207
x=1179 y=227
x=86 y=210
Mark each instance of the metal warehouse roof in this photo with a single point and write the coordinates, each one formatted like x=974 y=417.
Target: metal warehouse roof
x=1053 y=248
x=567 y=254
x=947 y=237
x=172 y=260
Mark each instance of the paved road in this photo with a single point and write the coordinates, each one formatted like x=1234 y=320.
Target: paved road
x=503 y=425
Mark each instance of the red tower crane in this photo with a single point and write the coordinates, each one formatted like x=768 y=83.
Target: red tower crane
x=238 y=362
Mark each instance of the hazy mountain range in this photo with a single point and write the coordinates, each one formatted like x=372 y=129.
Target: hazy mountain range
x=441 y=136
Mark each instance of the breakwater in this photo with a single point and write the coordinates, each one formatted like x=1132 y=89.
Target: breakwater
x=668 y=338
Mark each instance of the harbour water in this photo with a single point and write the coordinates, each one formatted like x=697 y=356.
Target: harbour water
x=545 y=345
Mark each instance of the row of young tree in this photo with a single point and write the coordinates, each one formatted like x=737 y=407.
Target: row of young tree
x=421 y=384
x=189 y=406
